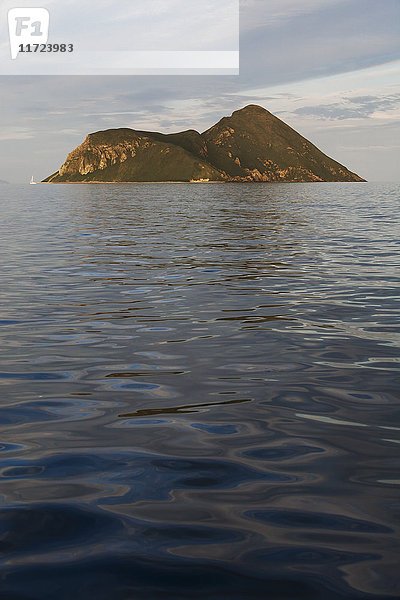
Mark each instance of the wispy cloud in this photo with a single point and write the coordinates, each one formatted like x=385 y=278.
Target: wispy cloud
x=274 y=12
x=357 y=107
x=15 y=133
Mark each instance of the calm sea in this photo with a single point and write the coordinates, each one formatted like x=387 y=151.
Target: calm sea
x=200 y=392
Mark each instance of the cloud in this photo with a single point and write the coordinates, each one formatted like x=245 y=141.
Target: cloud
x=336 y=37
x=358 y=107
x=15 y=133
x=274 y=12
x=386 y=148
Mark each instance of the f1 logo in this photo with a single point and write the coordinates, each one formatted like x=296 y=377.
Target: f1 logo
x=27 y=26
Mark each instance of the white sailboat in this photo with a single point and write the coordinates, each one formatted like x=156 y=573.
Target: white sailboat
x=32 y=182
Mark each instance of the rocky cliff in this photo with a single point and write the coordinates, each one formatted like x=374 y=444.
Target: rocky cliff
x=251 y=145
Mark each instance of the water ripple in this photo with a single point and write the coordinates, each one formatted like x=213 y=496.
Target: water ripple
x=200 y=392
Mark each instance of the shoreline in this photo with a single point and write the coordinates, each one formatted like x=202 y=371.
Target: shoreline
x=122 y=182
x=183 y=182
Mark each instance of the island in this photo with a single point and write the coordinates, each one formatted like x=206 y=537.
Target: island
x=252 y=145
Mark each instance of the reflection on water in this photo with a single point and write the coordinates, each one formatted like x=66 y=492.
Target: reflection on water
x=200 y=392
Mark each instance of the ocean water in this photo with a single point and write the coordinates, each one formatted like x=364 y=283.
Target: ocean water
x=200 y=392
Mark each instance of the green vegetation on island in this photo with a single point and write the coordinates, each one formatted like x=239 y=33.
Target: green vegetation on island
x=250 y=146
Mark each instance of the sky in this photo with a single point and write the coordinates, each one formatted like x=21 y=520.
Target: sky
x=328 y=68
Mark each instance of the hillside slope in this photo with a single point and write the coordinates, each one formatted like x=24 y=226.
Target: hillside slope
x=255 y=144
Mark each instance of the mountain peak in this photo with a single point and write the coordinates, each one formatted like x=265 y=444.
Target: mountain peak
x=252 y=108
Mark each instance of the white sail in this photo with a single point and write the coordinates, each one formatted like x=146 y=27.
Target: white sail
x=32 y=181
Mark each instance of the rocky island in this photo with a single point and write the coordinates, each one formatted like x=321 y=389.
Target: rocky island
x=252 y=145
